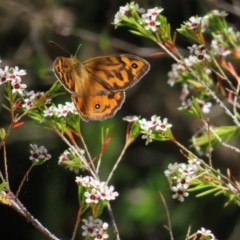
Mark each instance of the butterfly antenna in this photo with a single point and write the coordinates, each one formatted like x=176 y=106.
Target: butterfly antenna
x=78 y=49
x=60 y=47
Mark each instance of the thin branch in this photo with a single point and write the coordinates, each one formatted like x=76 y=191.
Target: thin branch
x=6 y=166
x=18 y=206
x=23 y=180
x=78 y=220
x=169 y=227
x=117 y=162
x=113 y=221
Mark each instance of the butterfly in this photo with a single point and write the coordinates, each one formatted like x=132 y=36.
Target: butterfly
x=97 y=85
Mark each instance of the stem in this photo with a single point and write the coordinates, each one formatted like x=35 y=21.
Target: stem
x=78 y=219
x=118 y=161
x=6 y=166
x=23 y=180
x=113 y=221
x=168 y=216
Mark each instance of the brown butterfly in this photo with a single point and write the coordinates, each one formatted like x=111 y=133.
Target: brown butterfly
x=97 y=85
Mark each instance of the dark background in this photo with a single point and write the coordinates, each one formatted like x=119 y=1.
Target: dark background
x=50 y=193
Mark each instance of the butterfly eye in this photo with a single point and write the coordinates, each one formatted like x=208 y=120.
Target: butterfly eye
x=134 y=65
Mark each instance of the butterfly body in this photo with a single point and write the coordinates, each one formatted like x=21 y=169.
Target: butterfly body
x=97 y=85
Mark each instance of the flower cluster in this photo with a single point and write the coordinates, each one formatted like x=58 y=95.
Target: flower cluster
x=95 y=228
x=152 y=129
x=199 y=52
x=30 y=98
x=61 y=110
x=180 y=175
x=203 y=23
x=39 y=154
x=95 y=191
x=179 y=73
x=70 y=161
x=148 y=19
x=13 y=75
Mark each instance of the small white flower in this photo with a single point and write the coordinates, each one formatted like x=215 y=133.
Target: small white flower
x=193 y=22
x=173 y=75
x=131 y=118
x=144 y=124
x=194 y=164
x=163 y=125
x=89 y=227
x=180 y=192
x=62 y=110
x=186 y=170
x=49 y=112
x=84 y=181
x=219 y=14
x=172 y=169
x=18 y=86
x=101 y=235
x=64 y=157
x=28 y=103
x=183 y=181
x=205 y=106
x=151 y=24
x=92 y=197
x=205 y=232
x=147 y=136
x=153 y=13
x=107 y=193
x=71 y=107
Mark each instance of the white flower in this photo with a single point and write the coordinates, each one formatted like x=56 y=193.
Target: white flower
x=62 y=110
x=71 y=107
x=28 y=103
x=151 y=24
x=193 y=22
x=84 y=181
x=153 y=13
x=92 y=197
x=180 y=192
x=173 y=75
x=49 y=112
x=219 y=14
x=144 y=124
x=172 y=169
x=163 y=125
x=186 y=170
x=205 y=232
x=18 y=86
x=95 y=228
x=89 y=227
x=131 y=118
x=63 y=157
x=147 y=136
x=194 y=164
x=107 y=193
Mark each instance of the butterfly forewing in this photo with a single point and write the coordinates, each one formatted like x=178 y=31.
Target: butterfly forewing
x=119 y=72
x=65 y=71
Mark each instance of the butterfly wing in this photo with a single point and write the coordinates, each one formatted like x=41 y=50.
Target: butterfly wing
x=65 y=69
x=117 y=73
x=96 y=102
